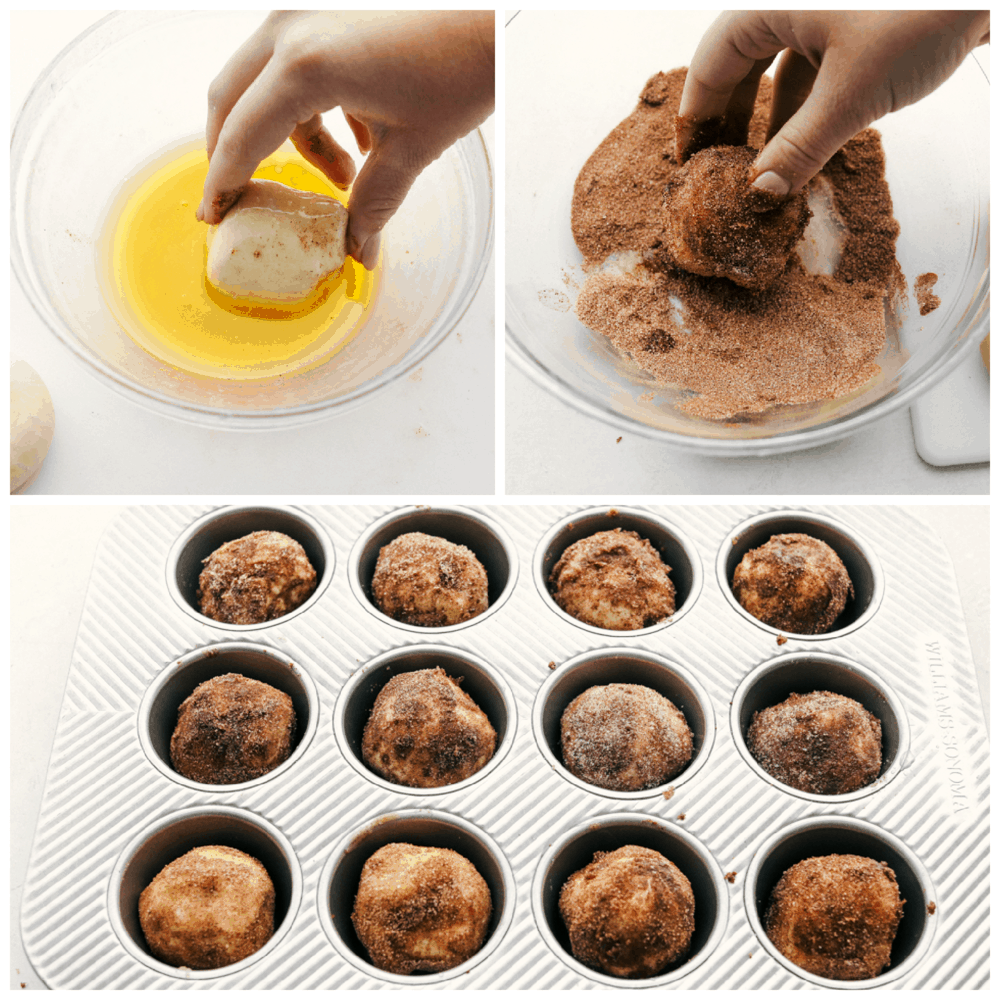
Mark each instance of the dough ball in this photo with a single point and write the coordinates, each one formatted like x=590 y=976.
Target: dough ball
x=277 y=243
x=836 y=916
x=255 y=579
x=614 y=580
x=629 y=913
x=625 y=737
x=425 y=580
x=793 y=582
x=715 y=224
x=32 y=424
x=420 y=909
x=819 y=742
x=425 y=731
x=231 y=729
x=211 y=907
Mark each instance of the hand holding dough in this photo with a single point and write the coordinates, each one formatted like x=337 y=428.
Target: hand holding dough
x=277 y=243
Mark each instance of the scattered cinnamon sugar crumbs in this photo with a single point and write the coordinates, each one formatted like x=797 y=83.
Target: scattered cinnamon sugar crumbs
x=682 y=817
x=926 y=299
x=731 y=877
x=552 y=664
x=932 y=907
x=782 y=640
x=669 y=793
x=739 y=351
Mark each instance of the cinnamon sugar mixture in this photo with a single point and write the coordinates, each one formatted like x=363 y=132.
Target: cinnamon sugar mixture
x=805 y=338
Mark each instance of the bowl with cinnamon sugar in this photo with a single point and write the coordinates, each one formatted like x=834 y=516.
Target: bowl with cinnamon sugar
x=844 y=336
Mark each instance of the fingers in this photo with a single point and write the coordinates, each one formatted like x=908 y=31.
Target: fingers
x=260 y=121
x=320 y=149
x=382 y=184
x=793 y=82
x=362 y=134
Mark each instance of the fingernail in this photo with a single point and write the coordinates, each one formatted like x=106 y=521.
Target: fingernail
x=770 y=182
x=200 y=214
x=369 y=252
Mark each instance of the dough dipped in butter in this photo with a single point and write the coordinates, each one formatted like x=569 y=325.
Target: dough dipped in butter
x=277 y=243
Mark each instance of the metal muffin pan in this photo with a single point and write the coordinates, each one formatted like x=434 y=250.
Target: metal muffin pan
x=114 y=813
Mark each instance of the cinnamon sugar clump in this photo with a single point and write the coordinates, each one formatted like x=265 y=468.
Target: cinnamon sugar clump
x=255 y=579
x=820 y=742
x=625 y=737
x=926 y=298
x=231 y=729
x=805 y=338
x=836 y=916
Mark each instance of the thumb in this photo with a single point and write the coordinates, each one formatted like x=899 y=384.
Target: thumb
x=386 y=177
x=821 y=126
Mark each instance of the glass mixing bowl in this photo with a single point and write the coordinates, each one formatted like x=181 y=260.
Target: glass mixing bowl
x=134 y=85
x=587 y=70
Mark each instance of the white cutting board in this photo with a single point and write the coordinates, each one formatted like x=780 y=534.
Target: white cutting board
x=951 y=423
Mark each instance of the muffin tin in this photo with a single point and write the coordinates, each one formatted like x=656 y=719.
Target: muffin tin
x=114 y=812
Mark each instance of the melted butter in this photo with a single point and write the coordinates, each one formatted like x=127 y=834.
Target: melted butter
x=158 y=291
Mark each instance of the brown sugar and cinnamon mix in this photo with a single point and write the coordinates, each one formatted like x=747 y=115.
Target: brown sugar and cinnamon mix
x=804 y=338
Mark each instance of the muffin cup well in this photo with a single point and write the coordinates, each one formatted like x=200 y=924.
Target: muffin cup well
x=338 y=883
x=622 y=666
x=676 y=550
x=818 y=836
x=172 y=836
x=461 y=525
x=481 y=682
x=209 y=532
x=801 y=673
x=575 y=850
x=160 y=704
x=857 y=556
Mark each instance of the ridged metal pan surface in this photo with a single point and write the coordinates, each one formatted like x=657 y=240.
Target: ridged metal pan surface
x=112 y=810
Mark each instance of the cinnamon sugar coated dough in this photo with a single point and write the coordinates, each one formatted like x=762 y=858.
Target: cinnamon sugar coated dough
x=793 y=582
x=819 y=742
x=421 y=909
x=425 y=580
x=614 y=580
x=211 y=907
x=255 y=579
x=425 y=731
x=836 y=916
x=739 y=351
x=625 y=737
x=629 y=913
x=231 y=729
x=716 y=224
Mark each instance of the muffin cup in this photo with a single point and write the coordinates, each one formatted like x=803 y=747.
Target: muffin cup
x=172 y=836
x=461 y=525
x=857 y=556
x=676 y=550
x=818 y=836
x=338 y=883
x=575 y=850
x=622 y=666
x=481 y=682
x=801 y=673
x=160 y=704
x=204 y=536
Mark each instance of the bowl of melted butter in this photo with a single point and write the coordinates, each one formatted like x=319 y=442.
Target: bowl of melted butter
x=108 y=163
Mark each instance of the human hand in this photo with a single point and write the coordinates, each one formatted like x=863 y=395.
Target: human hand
x=841 y=71
x=410 y=84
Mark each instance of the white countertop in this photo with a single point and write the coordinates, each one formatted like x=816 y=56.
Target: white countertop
x=430 y=433
x=52 y=551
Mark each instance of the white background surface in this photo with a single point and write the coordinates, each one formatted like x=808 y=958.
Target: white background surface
x=52 y=550
x=431 y=432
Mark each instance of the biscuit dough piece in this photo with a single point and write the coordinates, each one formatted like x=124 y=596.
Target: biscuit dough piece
x=614 y=580
x=625 y=737
x=629 y=913
x=231 y=729
x=715 y=224
x=836 y=916
x=211 y=907
x=255 y=579
x=420 y=909
x=425 y=731
x=32 y=424
x=793 y=582
x=425 y=580
x=277 y=243
x=819 y=742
